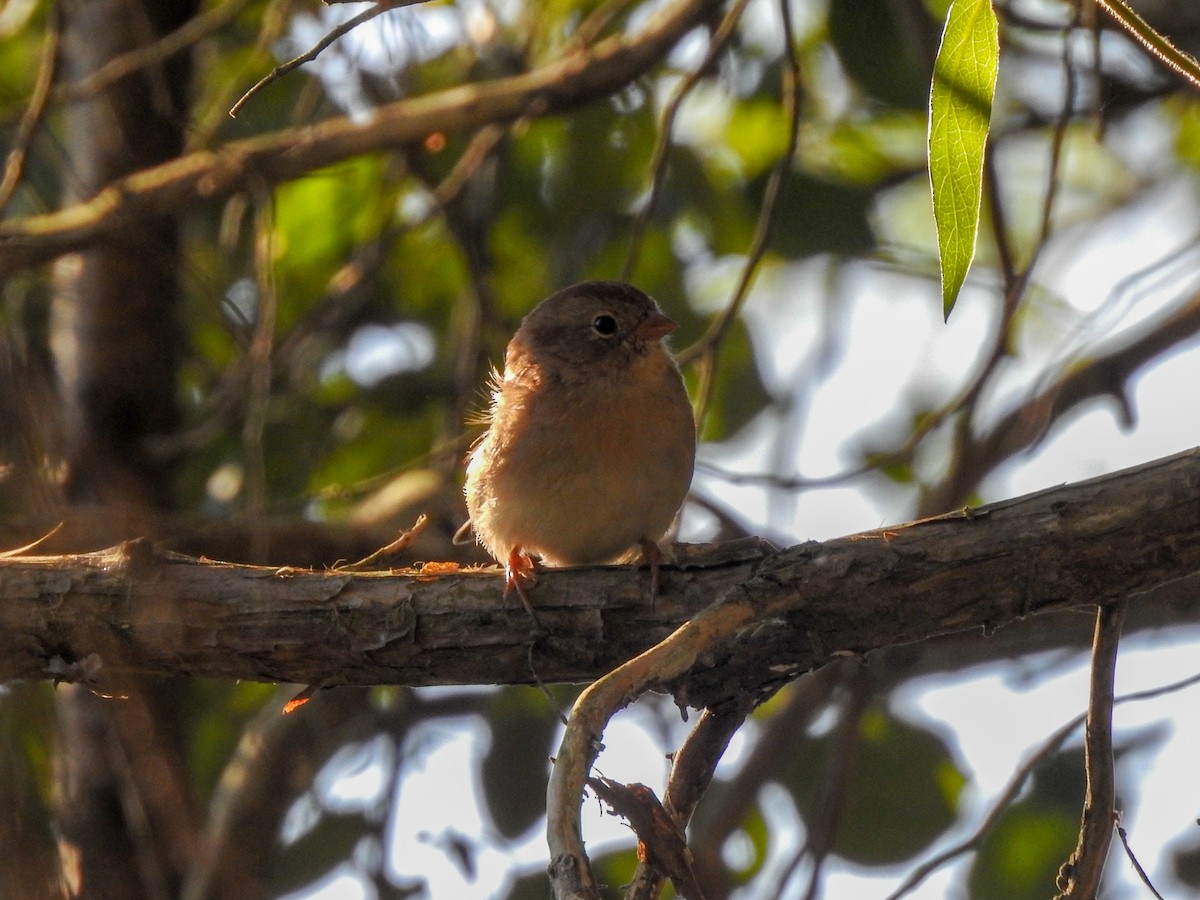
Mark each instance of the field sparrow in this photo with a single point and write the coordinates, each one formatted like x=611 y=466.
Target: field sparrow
x=590 y=443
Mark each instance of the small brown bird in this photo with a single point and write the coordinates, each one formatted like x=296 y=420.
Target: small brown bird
x=590 y=443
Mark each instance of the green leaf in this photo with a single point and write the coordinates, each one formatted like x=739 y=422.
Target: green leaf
x=517 y=765
x=960 y=106
x=815 y=215
x=875 y=45
x=758 y=133
x=1021 y=854
x=319 y=220
x=884 y=819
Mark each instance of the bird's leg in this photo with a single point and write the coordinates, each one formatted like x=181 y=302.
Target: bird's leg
x=519 y=570
x=651 y=556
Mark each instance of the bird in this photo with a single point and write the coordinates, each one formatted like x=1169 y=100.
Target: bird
x=590 y=442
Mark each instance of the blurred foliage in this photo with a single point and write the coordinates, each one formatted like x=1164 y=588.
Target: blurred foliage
x=1021 y=855
x=516 y=767
x=882 y=819
x=367 y=262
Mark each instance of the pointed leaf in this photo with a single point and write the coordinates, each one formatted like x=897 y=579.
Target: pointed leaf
x=960 y=107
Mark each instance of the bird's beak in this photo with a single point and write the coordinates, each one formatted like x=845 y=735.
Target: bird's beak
x=654 y=327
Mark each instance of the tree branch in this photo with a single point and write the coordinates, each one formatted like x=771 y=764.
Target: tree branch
x=692 y=771
x=1081 y=875
x=137 y=610
x=575 y=79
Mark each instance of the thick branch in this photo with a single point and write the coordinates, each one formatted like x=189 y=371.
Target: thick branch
x=578 y=78
x=134 y=610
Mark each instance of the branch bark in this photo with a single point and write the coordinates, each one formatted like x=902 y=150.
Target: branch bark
x=99 y=617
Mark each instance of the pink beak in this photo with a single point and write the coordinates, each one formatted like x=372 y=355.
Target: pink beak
x=655 y=327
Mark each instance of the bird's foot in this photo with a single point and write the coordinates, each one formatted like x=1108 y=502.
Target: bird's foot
x=520 y=574
x=651 y=556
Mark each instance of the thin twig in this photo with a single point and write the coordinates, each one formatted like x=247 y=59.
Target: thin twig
x=847 y=737
x=658 y=161
x=260 y=371
x=1004 y=250
x=563 y=83
x=1080 y=877
x=1156 y=44
x=191 y=32
x=707 y=343
x=1014 y=787
x=319 y=47
x=14 y=164
x=1124 y=836
x=705 y=350
x=593 y=26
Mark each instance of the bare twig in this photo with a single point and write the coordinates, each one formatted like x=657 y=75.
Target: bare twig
x=14 y=164
x=260 y=368
x=1182 y=64
x=661 y=844
x=1080 y=877
x=704 y=350
x=191 y=32
x=1014 y=787
x=802 y=702
x=846 y=739
x=691 y=773
x=658 y=161
x=598 y=19
x=319 y=47
x=1137 y=866
x=1102 y=376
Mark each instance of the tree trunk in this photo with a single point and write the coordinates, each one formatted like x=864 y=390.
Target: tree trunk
x=121 y=801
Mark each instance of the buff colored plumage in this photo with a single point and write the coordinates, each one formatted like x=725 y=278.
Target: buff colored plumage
x=590 y=443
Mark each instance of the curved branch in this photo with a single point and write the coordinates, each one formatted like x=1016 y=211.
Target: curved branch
x=571 y=81
x=570 y=872
x=731 y=640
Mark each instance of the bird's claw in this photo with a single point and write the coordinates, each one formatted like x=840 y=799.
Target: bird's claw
x=520 y=574
x=651 y=556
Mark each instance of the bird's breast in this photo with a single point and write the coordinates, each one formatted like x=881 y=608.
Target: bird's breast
x=578 y=473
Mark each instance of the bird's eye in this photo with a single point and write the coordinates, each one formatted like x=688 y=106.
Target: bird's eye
x=604 y=325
